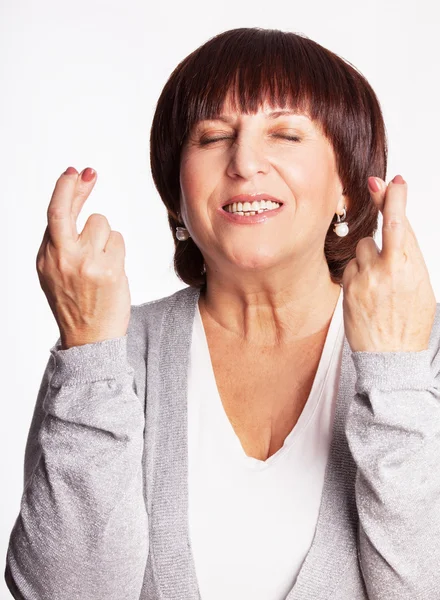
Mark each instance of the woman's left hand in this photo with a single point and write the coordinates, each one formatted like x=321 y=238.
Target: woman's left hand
x=389 y=304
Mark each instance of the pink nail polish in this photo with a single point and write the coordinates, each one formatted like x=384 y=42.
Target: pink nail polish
x=88 y=174
x=373 y=185
x=70 y=171
x=398 y=179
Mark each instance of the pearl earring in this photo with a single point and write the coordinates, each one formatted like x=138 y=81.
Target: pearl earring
x=182 y=233
x=341 y=228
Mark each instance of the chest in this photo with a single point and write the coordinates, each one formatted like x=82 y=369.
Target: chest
x=264 y=392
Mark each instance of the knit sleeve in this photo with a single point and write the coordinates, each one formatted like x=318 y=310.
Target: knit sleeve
x=82 y=528
x=393 y=431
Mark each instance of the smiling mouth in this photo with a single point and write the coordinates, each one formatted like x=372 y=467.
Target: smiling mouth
x=251 y=208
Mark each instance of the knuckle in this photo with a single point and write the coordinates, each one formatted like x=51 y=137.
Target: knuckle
x=98 y=217
x=99 y=220
x=117 y=237
x=361 y=245
x=366 y=243
x=111 y=275
x=88 y=269
x=96 y=272
x=393 y=222
x=62 y=263
x=40 y=263
x=351 y=264
x=346 y=277
x=374 y=279
x=116 y=240
x=55 y=213
x=362 y=242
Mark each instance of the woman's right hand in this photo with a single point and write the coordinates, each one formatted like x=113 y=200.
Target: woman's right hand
x=82 y=275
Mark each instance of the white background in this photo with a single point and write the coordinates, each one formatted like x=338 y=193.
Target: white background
x=79 y=84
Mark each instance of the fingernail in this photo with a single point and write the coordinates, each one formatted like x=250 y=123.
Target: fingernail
x=398 y=179
x=373 y=185
x=88 y=174
x=70 y=171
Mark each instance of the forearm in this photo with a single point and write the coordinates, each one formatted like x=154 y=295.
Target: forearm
x=393 y=430
x=82 y=530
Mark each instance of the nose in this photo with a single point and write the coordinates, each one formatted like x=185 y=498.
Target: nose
x=248 y=158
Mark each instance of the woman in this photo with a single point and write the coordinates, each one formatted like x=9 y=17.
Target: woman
x=271 y=431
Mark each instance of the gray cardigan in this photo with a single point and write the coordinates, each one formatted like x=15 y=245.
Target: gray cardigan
x=104 y=513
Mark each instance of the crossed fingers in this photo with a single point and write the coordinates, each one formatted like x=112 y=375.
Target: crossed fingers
x=70 y=193
x=391 y=200
x=398 y=238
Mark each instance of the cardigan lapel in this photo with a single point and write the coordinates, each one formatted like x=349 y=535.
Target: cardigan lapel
x=334 y=546
x=171 y=564
x=170 y=573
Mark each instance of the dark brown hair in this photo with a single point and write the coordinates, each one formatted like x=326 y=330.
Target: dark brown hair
x=290 y=70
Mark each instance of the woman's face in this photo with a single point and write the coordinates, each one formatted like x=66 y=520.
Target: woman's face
x=284 y=156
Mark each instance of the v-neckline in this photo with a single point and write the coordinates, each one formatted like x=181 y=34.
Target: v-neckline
x=334 y=546
x=236 y=449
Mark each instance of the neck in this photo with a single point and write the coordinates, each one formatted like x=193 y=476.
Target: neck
x=275 y=310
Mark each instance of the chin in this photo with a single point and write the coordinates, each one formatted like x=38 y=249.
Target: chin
x=256 y=262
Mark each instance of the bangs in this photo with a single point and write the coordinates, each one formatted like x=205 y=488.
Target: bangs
x=253 y=67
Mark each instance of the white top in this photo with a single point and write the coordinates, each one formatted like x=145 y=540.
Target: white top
x=261 y=505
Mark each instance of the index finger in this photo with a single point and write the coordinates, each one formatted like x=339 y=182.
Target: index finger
x=394 y=225
x=60 y=222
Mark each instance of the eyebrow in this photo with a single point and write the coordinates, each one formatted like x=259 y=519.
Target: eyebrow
x=272 y=115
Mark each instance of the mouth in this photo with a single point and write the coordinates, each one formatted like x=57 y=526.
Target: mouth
x=248 y=205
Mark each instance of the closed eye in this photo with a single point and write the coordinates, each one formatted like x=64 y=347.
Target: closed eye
x=207 y=141
x=288 y=137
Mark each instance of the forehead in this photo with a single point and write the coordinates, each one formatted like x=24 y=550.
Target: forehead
x=268 y=113
x=266 y=108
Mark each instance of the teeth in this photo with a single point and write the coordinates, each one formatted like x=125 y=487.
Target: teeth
x=251 y=208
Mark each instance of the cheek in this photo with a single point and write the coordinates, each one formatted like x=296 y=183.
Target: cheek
x=187 y=177
x=191 y=194
x=314 y=185
x=200 y=181
x=189 y=183
x=195 y=179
